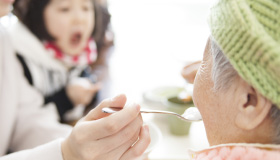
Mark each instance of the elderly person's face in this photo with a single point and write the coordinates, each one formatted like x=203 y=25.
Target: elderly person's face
x=233 y=115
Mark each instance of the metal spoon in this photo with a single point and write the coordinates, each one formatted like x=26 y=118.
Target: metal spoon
x=190 y=115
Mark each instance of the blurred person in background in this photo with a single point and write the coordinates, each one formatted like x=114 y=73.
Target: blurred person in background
x=24 y=124
x=57 y=43
x=237 y=87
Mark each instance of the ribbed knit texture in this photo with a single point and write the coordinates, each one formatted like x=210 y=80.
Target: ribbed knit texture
x=248 y=32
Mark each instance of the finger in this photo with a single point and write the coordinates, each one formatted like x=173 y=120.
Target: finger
x=138 y=148
x=88 y=96
x=96 y=113
x=119 y=151
x=109 y=143
x=97 y=86
x=121 y=136
x=100 y=129
x=94 y=87
x=117 y=121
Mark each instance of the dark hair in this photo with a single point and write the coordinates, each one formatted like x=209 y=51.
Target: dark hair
x=30 y=13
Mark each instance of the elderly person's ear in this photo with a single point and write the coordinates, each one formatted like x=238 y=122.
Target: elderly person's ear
x=252 y=109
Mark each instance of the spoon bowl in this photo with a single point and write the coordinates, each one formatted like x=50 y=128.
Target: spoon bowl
x=190 y=115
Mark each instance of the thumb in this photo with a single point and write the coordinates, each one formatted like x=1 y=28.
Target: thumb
x=96 y=113
x=95 y=87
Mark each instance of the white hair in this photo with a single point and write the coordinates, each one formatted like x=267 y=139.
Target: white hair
x=223 y=75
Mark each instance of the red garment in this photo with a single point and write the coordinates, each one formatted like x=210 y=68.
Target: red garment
x=239 y=152
x=88 y=56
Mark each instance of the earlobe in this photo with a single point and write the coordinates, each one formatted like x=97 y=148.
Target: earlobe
x=253 y=112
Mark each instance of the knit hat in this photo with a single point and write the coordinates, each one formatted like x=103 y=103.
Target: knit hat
x=248 y=32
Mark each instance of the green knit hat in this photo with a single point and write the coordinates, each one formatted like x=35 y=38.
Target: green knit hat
x=248 y=32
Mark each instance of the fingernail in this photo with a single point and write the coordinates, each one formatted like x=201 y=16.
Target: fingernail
x=137 y=106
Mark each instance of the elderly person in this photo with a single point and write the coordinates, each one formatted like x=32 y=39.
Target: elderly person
x=237 y=87
x=25 y=125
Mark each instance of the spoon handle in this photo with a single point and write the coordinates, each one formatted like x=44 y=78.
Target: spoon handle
x=116 y=109
x=157 y=111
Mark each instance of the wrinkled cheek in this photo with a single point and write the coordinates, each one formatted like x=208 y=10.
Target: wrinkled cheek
x=201 y=91
x=197 y=91
x=195 y=95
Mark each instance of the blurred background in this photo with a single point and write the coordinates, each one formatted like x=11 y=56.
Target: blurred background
x=152 y=41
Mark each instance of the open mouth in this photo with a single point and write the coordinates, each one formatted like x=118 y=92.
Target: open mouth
x=76 y=38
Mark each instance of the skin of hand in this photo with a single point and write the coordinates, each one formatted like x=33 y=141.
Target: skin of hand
x=190 y=70
x=82 y=92
x=101 y=136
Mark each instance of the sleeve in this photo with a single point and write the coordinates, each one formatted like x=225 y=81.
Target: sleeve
x=35 y=125
x=49 y=151
x=62 y=102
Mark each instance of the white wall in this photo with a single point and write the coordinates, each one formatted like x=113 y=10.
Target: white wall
x=154 y=39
